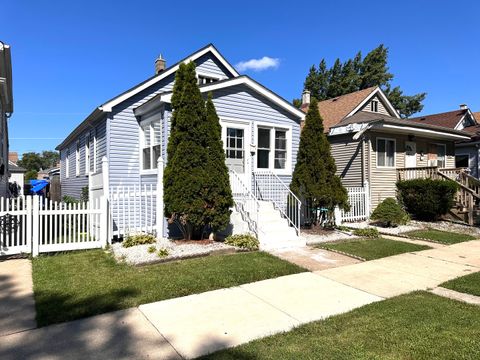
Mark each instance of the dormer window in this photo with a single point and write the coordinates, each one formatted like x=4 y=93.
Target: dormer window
x=203 y=80
x=374 y=105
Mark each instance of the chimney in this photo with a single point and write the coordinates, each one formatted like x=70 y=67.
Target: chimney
x=13 y=157
x=159 y=64
x=305 y=97
x=463 y=107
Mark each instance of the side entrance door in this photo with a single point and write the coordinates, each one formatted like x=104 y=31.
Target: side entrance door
x=236 y=141
x=410 y=154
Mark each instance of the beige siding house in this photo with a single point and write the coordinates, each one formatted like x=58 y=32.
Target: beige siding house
x=374 y=147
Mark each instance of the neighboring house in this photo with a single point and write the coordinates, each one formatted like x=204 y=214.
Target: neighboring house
x=260 y=131
x=17 y=176
x=6 y=109
x=467 y=153
x=371 y=144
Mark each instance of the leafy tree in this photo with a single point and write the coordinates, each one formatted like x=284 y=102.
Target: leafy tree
x=358 y=74
x=195 y=178
x=31 y=175
x=50 y=158
x=36 y=161
x=314 y=178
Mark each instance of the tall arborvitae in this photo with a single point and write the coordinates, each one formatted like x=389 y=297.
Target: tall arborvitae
x=185 y=176
x=314 y=178
x=218 y=194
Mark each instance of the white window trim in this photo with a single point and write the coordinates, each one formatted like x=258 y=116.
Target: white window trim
x=95 y=151
x=77 y=158
x=67 y=163
x=149 y=121
x=209 y=75
x=394 y=153
x=374 y=101
x=87 y=153
x=271 y=159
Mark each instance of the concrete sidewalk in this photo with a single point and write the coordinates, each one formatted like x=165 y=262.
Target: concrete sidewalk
x=17 y=306
x=195 y=325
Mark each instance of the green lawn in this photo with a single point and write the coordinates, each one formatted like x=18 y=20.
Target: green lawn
x=414 y=326
x=79 y=284
x=445 y=237
x=371 y=249
x=469 y=284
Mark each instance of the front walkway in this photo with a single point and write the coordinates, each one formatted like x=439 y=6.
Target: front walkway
x=194 y=325
x=17 y=306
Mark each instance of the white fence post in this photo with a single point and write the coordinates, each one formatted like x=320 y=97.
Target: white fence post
x=105 y=177
x=338 y=216
x=159 y=204
x=34 y=223
x=106 y=195
x=367 y=198
x=104 y=239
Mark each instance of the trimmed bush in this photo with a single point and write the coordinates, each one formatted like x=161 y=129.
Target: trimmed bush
x=427 y=199
x=367 y=232
x=244 y=241
x=138 y=239
x=390 y=213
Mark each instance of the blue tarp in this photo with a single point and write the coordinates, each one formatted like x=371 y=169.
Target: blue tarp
x=38 y=185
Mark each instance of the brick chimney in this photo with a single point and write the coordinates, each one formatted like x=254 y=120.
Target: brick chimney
x=159 y=64
x=13 y=157
x=305 y=97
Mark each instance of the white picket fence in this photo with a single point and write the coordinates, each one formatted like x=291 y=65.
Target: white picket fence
x=31 y=224
x=134 y=209
x=359 y=200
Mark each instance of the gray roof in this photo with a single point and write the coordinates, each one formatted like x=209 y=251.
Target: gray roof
x=365 y=117
x=14 y=168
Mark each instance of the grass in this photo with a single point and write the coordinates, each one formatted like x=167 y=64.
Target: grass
x=78 y=284
x=468 y=284
x=371 y=249
x=445 y=237
x=419 y=325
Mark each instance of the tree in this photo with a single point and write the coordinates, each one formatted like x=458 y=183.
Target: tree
x=192 y=187
x=314 y=178
x=358 y=74
x=31 y=175
x=218 y=194
x=50 y=159
x=36 y=161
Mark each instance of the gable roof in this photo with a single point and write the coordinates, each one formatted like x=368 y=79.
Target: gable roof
x=336 y=109
x=107 y=107
x=14 y=168
x=448 y=119
x=240 y=80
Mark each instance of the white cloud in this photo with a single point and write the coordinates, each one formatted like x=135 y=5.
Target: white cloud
x=264 y=63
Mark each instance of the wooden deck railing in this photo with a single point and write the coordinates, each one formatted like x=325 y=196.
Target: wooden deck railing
x=422 y=172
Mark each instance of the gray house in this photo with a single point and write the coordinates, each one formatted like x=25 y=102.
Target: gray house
x=6 y=109
x=260 y=131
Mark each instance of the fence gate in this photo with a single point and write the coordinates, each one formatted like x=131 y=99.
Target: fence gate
x=35 y=225
x=359 y=200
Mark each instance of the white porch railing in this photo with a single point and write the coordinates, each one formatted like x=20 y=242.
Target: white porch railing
x=245 y=201
x=269 y=187
x=359 y=200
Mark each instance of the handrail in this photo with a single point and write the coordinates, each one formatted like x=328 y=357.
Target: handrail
x=246 y=202
x=286 y=201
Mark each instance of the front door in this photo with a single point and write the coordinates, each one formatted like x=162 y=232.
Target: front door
x=410 y=154
x=236 y=140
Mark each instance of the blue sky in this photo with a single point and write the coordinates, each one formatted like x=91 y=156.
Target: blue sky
x=71 y=56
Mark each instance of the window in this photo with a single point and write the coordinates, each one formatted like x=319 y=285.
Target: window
x=263 y=152
x=203 y=80
x=87 y=153
x=151 y=140
x=374 y=105
x=234 y=148
x=77 y=159
x=67 y=164
x=272 y=148
x=462 y=161
x=385 y=152
x=94 y=165
x=280 y=149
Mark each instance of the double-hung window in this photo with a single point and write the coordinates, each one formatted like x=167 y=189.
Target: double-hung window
x=77 y=159
x=272 y=148
x=385 y=152
x=87 y=153
x=67 y=163
x=441 y=154
x=151 y=144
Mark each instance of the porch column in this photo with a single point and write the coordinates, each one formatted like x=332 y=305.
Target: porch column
x=159 y=202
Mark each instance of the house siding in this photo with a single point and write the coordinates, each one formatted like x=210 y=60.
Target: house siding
x=381 y=106
x=348 y=155
x=383 y=180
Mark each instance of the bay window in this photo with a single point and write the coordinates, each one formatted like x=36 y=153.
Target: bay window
x=385 y=152
x=150 y=144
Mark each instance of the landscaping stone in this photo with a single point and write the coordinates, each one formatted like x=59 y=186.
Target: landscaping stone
x=139 y=255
